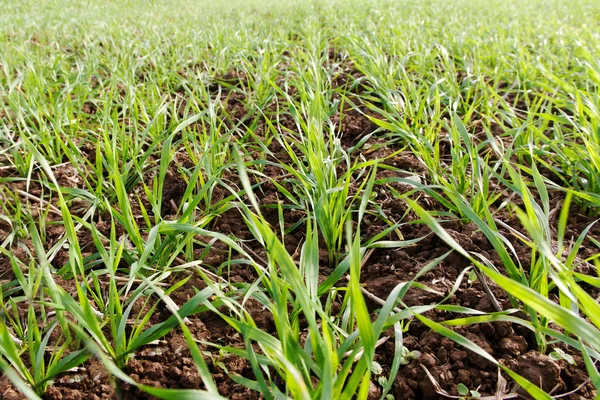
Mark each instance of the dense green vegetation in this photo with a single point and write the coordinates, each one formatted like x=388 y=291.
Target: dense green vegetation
x=274 y=185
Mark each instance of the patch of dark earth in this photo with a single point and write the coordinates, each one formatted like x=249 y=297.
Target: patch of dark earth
x=168 y=363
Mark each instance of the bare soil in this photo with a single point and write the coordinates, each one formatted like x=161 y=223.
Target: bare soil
x=169 y=363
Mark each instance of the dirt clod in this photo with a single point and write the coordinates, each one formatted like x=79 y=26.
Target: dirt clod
x=540 y=370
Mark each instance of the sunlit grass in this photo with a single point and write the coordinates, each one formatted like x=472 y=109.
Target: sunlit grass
x=130 y=132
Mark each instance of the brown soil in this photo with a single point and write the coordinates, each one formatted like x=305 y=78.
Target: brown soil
x=169 y=364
